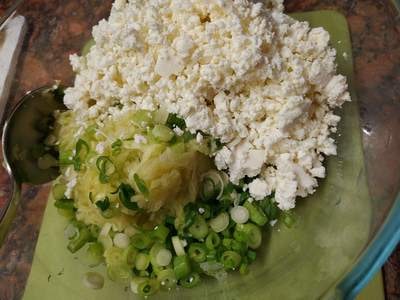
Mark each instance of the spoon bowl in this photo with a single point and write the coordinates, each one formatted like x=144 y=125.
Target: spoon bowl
x=28 y=153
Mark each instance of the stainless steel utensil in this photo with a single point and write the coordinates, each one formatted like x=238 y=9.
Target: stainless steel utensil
x=28 y=158
x=10 y=13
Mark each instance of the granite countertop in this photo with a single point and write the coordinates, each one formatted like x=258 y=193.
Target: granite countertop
x=58 y=28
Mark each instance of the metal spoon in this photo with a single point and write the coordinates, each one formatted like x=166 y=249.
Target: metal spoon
x=9 y=13
x=28 y=157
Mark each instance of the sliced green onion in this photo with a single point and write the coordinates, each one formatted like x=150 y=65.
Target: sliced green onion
x=231 y=259
x=154 y=252
x=190 y=281
x=81 y=152
x=71 y=231
x=104 y=204
x=104 y=236
x=142 y=261
x=212 y=240
x=244 y=269
x=197 y=252
x=121 y=240
x=116 y=147
x=162 y=133
x=135 y=281
x=270 y=208
x=160 y=232
x=253 y=233
x=178 y=246
x=125 y=194
x=205 y=210
x=199 y=229
x=252 y=255
x=66 y=213
x=118 y=272
x=256 y=214
x=220 y=222
x=163 y=257
x=58 y=191
x=80 y=240
x=148 y=287
x=93 y=280
x=141 y=241
x=182 y=267
x=94 y=254
x=227 y=243
x=239 y=247
x=174 y=121
x=239 y=214
x=106 y=168
x=167 y=278
x=94 y=230
x=130 y=254
x=190 y=214
x=114 y=256
x=141 y=185
x=64 y=203
x=211 y=255
x=240 y=236
x=212 y=186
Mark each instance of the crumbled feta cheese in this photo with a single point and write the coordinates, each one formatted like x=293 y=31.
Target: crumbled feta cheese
x=273 y=222
x=261 y=82
x=140 y=139
x=178 y=131
x=199 y=138
x=259 y=189
x=100 y=147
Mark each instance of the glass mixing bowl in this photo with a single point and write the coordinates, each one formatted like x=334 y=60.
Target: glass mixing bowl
x=354 y=238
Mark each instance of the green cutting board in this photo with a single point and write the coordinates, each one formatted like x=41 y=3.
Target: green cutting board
x=303 y=262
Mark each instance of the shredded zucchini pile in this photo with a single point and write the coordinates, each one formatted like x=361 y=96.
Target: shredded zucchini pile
x=142 y=196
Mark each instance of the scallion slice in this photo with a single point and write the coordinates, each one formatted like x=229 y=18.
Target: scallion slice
x=178 y=246
x=190 y=281
x=141 y=185
x=106 y=168
x=220 y=222
x=81 y=152
x=167 y=278
x=125 y=194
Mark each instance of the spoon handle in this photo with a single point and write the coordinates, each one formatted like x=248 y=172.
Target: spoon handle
x=8 y=214
x=9 y=12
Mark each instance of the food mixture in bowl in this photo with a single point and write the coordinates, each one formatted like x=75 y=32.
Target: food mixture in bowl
x=192 y=126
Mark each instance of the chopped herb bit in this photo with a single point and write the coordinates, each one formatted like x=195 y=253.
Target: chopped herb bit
x=175 y=121
x=106 y=167
x=81 y=152
x=116 y=147
x=125 y=194
x=141 y=185
x=103 y=204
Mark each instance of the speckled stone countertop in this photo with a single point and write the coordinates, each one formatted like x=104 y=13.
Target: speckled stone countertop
x=58 y=28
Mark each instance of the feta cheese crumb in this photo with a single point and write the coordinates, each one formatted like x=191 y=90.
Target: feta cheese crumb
x=199 y=138
x=140 y=139
x=178 y=131
x=259 y=189
x=261 y=82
